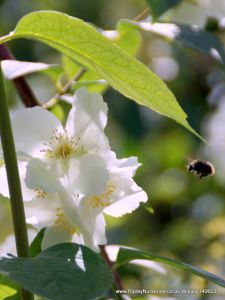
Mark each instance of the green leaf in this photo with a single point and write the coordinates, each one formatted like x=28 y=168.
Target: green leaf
x=35 y=247
x=8 y=289
x=129 y=40
x=126 y=255
x=83 y=43
x=189 y=36
x=62 y=272
x=6 y=292
x=158 y=7
x=13 y=68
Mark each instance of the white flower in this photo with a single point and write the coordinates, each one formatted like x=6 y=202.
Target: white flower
x=58 y=213
x=80 y=217
x=39 y=135
x=196 y=13
x=72 y=177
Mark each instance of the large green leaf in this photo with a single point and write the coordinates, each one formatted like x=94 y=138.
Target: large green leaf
x=62 y=272
x=125 y=255
x=158 y=7
x=83 y=43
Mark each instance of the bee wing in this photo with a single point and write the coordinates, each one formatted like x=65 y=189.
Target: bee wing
x=188 y=160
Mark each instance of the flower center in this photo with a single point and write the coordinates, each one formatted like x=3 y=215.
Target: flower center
x=61 y=146
x=104 y=199
x=40 y=194
x=62 y=222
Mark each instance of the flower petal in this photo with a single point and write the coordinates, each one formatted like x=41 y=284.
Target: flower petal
x=124 y=167
x=41 y=212
x=93 y=220
x=87 y=175
x=87 y=119
x=27 y=193
x=43 y=176
x=31 y=128
x=126 y=197
x=99 y=232
x=55 y=235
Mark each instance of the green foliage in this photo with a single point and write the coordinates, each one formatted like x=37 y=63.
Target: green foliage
x=84 y=44
x=158 y=7
x=61 y=272
x=35 y=247
x=8 y=289
x=126 y=255
x=129 y=39
x=7 y=292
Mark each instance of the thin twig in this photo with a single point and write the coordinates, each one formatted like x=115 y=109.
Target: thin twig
x=68 y=85
x=144 y=14
x=22 y=87
x=66 y=88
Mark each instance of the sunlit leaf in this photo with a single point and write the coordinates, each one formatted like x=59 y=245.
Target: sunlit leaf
x=62 y=272
x=83 y=43
x=129 y=39
x=6 y=291
x=125 y=255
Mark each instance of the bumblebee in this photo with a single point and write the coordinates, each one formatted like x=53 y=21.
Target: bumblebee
x=202 y=168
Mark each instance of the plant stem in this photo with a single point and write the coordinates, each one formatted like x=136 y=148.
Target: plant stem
x=15 y=192
x=118 y=281
x=23 y=89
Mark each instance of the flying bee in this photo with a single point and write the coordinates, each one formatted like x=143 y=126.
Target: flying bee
x=202 y=168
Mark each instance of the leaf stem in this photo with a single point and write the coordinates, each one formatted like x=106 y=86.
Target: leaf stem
x=15 y=192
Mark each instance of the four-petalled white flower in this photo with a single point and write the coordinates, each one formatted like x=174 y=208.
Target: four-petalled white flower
x=69 y=176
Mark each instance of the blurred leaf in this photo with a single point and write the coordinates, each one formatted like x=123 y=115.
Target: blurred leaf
x=13 y=68
x=59 y=112
x=148 y=208
x=129 y=39
x=158 y=7
x=126 y=255
x=54 y=73
x=83 y=43
x=190 y=36
x=6 y=292
x=8 y=289
x=60 y=272
x=35 y=247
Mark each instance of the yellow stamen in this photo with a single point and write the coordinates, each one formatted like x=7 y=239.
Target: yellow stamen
x=40 y=194
x=62 y=222
x=61 y=146
x=104 y=199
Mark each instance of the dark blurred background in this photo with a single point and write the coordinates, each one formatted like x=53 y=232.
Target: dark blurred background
x=186 y=221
